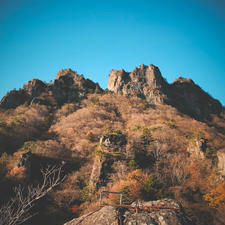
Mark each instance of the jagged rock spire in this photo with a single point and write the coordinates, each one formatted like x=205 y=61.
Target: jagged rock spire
x=144 y=81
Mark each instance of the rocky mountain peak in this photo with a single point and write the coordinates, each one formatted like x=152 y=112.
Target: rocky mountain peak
x=67 y=87
x=181 y=79
x=35 y=87
x=68 y=73
x=145 y=81
x=149 y=74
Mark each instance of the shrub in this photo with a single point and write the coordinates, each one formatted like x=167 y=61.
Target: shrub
x=3 y=163
x=99 y=152
x=152 y=189
x=29 y=146
x=130 y=187
x=3 y=124
x=18 y=172
x=210 y=153
x=138 y=185
x=90 y=136
x=170 y=124
x=84 y=194
x=146 y=136
x=216 y=197
x=46 y=123
x=196 y=135
x=133 y=165
x=75 y=209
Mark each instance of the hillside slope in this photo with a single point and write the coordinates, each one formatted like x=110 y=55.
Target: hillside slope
x=142 y=136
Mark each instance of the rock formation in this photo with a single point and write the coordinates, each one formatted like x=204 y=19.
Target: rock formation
x=221 y=161
x=147 y=82
x=67 y=87
x=112 y=215
x=189 y=98
x=197 y=148
x=113 y=142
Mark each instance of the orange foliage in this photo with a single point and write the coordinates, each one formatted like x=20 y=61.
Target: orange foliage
x=75 y=209
x=130 y=187
x=216 y=197
x=194 y=171
x=18 y=172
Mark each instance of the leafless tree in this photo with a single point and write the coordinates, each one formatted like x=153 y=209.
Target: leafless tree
x=178 y=169
x=158 y=151
x=18 y=209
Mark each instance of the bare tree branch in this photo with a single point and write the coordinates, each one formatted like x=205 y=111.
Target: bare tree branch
x=17 y=210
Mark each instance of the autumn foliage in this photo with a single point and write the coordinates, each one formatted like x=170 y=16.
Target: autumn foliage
x=216 y=197
x=137 y=185
x=18 y=172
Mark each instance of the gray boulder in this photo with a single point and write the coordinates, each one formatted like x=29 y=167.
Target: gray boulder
x=113 y=215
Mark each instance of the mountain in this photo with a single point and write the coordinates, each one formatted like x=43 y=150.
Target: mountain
x=67 y=87
x=147 y=82
x=142 y=136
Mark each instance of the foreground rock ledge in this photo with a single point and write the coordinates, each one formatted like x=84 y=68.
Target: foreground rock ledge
x=108 y=215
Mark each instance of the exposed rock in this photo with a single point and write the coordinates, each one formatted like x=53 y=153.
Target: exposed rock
x=95 y=173
x=221 y=161
x=197 y=148
x=145 y=82
x=113 y=142
x=25 y=160
x=191 y=99
x=111 y=215
x=35 y=87
x=14 y=98
x=68 y=87
x=103 y=216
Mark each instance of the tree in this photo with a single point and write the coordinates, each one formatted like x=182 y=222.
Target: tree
x=18 y=209
x=216 y=197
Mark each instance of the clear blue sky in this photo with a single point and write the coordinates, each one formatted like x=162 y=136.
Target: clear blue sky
x=181 y=37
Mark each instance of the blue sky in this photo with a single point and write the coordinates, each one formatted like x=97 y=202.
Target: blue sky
x=40 y=37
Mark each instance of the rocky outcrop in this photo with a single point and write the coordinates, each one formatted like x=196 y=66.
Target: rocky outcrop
x=95 y=173
x=189 y=98
x=35 y=87
x=70 y=87
x=197 y=148
x=113 y=142
x=67 y=87
x=112 y=215
x=13 y=99
x=25 y=160
x=109 y=144
x=221 y=161
x=145 y=82
x=31 y=90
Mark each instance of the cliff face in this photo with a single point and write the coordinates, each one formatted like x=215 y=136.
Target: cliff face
x=67 y=87
x=147 y=82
